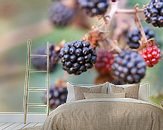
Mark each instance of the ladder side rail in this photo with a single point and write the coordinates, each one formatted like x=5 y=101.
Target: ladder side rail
x=27 y=81
x=47 y=78
x=25 y=86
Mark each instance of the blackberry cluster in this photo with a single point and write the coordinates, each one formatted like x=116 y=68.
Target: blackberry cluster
x=134 y=37
x=104 y=62
x=40 y=63
x=60 y=15
x=94 y=7
x=77 y=57
x=154 y=13
x=129 y=66
x=57 y=96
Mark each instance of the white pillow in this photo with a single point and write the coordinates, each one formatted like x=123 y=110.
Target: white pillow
x=131 y=90
x=144 y=92
x=71 y=92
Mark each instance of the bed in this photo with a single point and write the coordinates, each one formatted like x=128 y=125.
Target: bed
x=106 y=107
x=106 y=114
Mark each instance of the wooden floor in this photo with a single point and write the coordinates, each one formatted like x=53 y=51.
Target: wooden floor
x=14 y=121
x=17 y=126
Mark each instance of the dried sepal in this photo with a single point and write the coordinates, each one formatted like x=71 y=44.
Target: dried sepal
x=94 y=37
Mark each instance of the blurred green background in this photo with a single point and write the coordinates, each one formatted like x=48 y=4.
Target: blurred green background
x=23 y=13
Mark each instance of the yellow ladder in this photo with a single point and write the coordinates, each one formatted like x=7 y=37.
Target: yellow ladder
x=28 y=89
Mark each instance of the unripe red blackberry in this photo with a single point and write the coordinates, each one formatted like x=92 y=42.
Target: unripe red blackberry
x=154 y=13
x=104 y=62
x=129 y=66
x=94 y=7
x=151 y=55
x=40 y=63
x=77 y=57
x=60 y=14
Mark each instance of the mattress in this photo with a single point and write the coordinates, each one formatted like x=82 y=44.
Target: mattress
x=106 y=114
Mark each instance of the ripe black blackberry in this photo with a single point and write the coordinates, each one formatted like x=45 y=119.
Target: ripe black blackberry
x=149 y=33
x=94 y=7
x=134 y=37
x=60 y=15
x=57 y=96
x=40 y=63
x=77 y=57
x=154 y=13
x=129 y=66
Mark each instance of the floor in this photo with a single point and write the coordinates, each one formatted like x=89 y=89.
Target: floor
x=17 y=126
x=14 y=121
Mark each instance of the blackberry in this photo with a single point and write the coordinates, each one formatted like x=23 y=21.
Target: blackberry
x=40 y=63
x=104 y=62
x=77 y=57
x=94 y=7
x=60 y=15
x=151 y=55
x=149 y=33
x=57 y=96
x=154 y=13
x=134 y=37
x=129 y=66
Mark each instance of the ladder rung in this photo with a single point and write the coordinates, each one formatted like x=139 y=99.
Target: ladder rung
x=36 y=105
x=37 y=89
x=37 y=71
x=35 y=55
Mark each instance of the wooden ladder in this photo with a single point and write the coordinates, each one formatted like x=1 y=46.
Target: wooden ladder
x=28 y=89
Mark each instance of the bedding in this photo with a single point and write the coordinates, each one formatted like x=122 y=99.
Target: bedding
x=76 y=92
x=106 y=114
x=101 y=95
x=144 y=92
x=131 y=90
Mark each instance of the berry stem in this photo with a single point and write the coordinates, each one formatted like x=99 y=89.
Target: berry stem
x=101 y=45
x=139 y=25
x=114 y=45
x=129 y=11
x=106 y=20
x=114 y=7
